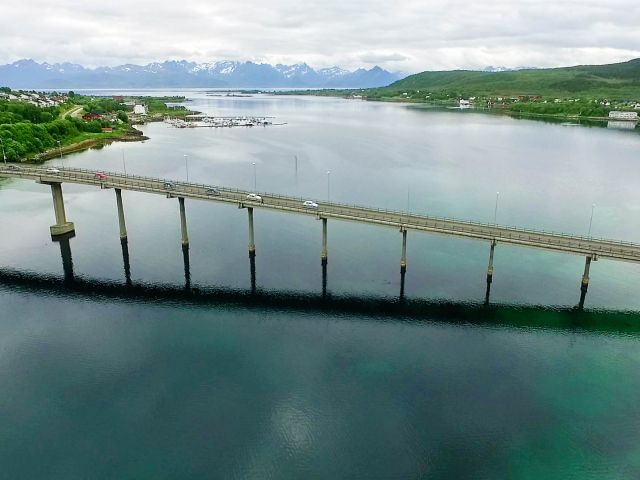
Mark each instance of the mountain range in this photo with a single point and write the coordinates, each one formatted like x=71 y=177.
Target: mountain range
x=28 y=74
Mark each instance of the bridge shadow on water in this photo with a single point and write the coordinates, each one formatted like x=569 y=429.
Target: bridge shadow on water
x=70 y=285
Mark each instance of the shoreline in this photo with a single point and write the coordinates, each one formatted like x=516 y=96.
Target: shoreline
x=83 y=145
x=496 y=111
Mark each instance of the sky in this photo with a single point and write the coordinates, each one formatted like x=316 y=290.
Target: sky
x=401 y=35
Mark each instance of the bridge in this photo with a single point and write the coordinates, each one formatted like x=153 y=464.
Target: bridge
x=590 y=248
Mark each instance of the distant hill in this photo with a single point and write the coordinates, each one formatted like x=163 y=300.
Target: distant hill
x=28 y=74
x=617 y=80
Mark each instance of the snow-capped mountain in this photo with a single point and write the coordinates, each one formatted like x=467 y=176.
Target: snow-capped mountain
x=28 y=74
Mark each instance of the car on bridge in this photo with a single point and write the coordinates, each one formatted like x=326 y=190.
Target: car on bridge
x=212 y=191
x=169 y=185
x=255 y=197
x=101 y=176
x=52 y=170
x=310 y=204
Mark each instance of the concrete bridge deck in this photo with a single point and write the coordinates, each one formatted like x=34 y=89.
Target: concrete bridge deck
x=580 y=245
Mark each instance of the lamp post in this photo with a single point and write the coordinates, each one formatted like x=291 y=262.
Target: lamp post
x=186 y=165
x=255 y=177
x=495 y=210
x=593 y=206
x=60 y=152
x=124 y=165
x=328 y=185
x=4 y=156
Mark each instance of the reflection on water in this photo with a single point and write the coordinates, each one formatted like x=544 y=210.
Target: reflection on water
x=324 y=278
x=400 y=307
x=65 y=253
x=252 y=270
x=125 y=260
x=187 y=267
x=621 y=125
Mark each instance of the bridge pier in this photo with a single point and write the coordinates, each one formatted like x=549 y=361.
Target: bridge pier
x=252 y=244
x=584 y=285
x=403 y=258
x=490 y=267
x=62 y=227
x=121 y=222
x=325 y=253
x=183 y=223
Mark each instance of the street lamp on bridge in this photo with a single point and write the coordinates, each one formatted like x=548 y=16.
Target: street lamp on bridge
x=593 y=206
x=255 y=177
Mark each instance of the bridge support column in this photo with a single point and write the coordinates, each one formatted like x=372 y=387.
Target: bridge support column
x=183 y=223
x=62 y=227
x=490 y=267
x=252 y=244
x=584 y=285
x=487 y=293
x=585 y=276
x=123 y=226
x=403 y=258
x=325 y=253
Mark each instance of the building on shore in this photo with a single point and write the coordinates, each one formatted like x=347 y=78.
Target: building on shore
x=139 y=109
x=615 y=115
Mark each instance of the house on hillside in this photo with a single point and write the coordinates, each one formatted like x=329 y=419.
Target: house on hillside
x=140 y=109
x=88 y=117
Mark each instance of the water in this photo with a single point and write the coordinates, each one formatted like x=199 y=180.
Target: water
x=105 y=377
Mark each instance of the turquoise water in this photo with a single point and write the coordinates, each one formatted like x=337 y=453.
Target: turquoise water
x=140 y=372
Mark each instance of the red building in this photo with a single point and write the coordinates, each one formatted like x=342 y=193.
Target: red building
x=91 y=116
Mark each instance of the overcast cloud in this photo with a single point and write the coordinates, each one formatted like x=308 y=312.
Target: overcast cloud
x=403 y=35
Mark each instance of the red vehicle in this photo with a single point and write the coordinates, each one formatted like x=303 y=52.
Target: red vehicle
x=101 y=176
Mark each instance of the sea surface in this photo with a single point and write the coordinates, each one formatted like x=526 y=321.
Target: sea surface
x=150 y=361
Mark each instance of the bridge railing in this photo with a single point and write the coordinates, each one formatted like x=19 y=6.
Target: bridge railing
x=452 y=224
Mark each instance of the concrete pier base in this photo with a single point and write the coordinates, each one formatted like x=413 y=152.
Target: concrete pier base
x=62 y=226
x=183 y=223
x=403 y=258
x=121 y=222
x=252 y=243
x=324 y=256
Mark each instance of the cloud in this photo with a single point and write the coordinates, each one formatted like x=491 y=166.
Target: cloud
x=380 y=58
x=407 y=35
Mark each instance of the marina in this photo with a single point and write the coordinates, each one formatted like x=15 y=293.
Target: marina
x=200 y=121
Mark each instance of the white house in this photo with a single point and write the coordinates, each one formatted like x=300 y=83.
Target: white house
x=140 y=109
x=623 y=115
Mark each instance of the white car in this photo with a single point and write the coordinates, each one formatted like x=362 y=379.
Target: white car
x=310 y=204
x=254 y=197
x=52 y=170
